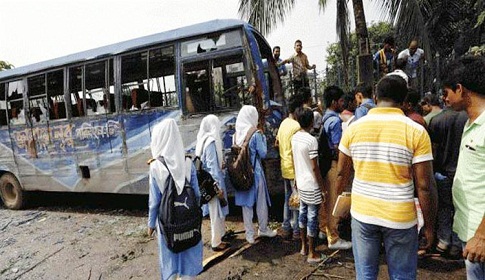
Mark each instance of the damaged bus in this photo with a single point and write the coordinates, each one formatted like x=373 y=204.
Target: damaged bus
x=82 y=122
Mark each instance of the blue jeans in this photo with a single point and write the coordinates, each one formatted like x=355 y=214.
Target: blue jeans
x=401 y=247
x=444 y=232
x=290 y=217
x=309 y=218
x=474 y=270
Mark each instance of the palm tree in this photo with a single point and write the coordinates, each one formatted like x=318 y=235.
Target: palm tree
x=265 y=15
x=5 y=65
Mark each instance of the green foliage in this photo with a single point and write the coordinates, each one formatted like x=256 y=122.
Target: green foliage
x=477 y=51
x=481 y=19
x=377 y=31
x=5 y=65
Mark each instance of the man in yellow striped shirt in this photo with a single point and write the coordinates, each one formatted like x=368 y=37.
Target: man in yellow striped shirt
x=391 y=155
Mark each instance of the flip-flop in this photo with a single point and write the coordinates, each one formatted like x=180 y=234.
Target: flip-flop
x=223 y=246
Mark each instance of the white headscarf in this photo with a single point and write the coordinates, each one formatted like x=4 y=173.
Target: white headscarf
x=209 y=132
x=167 y=142
x=247 y=118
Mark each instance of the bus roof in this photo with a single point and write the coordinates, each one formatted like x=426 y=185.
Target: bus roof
x=117 y=48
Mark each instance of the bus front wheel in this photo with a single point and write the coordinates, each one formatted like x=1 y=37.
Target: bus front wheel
x=11 y=192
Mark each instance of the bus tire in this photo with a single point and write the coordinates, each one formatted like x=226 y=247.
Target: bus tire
x=11 y=192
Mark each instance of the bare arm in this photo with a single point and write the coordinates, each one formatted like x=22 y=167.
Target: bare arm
x=475 y=247
x=344 y=169
x=427 y=196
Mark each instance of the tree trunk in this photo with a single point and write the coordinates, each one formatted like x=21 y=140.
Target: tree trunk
x=365 y=58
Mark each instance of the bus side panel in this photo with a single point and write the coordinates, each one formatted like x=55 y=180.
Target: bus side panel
x=98 y=151
x=7 y=162
x=138 y=127
x=34 y=171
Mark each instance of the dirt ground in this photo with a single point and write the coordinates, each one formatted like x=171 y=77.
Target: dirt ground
x=86 y=236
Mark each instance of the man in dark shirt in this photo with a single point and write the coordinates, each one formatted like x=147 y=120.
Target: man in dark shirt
x=445 y=131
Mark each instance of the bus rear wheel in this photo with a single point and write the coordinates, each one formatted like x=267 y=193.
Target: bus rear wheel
x=11 y=192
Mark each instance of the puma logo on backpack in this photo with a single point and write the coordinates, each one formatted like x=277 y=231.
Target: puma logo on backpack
x=180 y=216
x=239 y=167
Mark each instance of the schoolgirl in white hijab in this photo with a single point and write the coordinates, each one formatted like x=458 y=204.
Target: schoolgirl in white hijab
x=258 y=194
x=209 y=149
x=210 y=131
x=167 y=143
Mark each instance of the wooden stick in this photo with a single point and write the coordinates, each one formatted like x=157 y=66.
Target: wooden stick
x=319 y=265
x=39 y=262
x=243 y=248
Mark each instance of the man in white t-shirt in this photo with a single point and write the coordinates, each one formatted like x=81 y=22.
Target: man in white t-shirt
x=309 y=182
x=414 y=55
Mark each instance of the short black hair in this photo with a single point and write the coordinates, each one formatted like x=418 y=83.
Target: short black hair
x=331 y=93
x=412 y=97
x=431 y=99
x=304 y=116
x=305 y=93
x=348 y=99
x=365 y=89
x=469 y=71
x=294 y=102
x=389 y=40
x=298 y=41
x=401 y=63
x=393 y=88
x=276 y=47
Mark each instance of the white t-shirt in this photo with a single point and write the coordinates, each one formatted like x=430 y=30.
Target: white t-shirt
x=413 y=61
x=305 y=149
x=317 y=120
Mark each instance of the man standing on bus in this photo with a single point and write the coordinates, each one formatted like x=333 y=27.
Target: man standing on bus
x=300 y=66
x=276 y=55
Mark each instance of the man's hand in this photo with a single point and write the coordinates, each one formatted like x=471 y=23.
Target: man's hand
x=150 y=232
x=314 y=66
x=429 y=236
x=475 y=249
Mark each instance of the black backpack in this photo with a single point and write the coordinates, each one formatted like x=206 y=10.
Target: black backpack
x=238 y=164
x=325 y=153
x=180 y=216
x=207 y=185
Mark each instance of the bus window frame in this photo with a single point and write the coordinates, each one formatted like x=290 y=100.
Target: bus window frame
x=147 y=79
x=210 y=57
x=23 y=81
x=106 y=86
x=3 y=105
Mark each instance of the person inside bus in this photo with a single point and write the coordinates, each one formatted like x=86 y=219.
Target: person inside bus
x=18 y=115
x=198 y=91
x=209 y=149
x=167 y=143
x=258 y=194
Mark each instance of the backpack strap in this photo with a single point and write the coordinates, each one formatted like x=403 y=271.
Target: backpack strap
x=251 y=131
x=368 y=106
x=325 y=118
x=162 y=160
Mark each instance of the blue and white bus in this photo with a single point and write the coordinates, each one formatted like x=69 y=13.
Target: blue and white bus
x=82 y=122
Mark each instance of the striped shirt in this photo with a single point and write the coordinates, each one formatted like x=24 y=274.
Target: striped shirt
x=384 y=145
x=305 y=149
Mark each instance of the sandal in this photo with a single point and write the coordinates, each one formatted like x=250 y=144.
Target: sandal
x=223 y=246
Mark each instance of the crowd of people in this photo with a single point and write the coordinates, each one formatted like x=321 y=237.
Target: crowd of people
x=393 y=150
